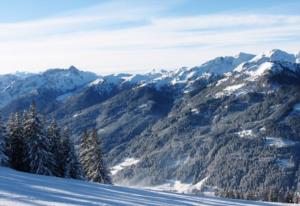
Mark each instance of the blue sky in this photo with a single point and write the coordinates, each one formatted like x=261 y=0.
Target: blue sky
x=107 y=36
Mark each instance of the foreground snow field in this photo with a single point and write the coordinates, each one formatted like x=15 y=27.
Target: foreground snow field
x=17 y=188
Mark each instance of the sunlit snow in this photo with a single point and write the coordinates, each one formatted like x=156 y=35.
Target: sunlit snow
x=230 y=90
x=126 y=163
x=143 y=106
x=279 y=142
x=180 y=187
x=195 y=111
x=262 y=69
x=245 y=133
x=23 y=189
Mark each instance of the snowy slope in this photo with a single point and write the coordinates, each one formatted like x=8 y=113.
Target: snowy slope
x=264 y=62
x=69 y=82
x=57 y=80
x=274 y=55
x=243 y=62
x=126 y=163
x=181 y=76
x=21 y=189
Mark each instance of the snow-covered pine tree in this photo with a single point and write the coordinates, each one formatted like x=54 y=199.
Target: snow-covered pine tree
x=54 y=136
x=97 y=171
x=16 y=147
x=39 y=157
x=84 y=152
x=3 y=142
x=71 y=165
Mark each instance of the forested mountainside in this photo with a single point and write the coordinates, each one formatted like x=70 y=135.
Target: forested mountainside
x=231 y=124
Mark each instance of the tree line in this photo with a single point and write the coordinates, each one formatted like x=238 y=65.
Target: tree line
x=270 y=194
x=29 y=144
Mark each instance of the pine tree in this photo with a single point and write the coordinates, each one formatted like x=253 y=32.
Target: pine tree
x=39 y=157
x=96 y=170
x=3 y=141
x=16 y=148
x=71 y=167
x=101 y=174
x=54 y=136
x=84 y=153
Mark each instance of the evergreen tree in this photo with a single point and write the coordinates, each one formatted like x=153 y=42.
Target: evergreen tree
x=84 y=152
x=54 y=136
x=39 y=157
x=16 y=147
x=71 y=167
x=3 y=141
x=101 y=174
x=95 y=168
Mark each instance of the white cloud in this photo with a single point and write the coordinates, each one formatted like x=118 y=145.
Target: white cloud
x=106 y=41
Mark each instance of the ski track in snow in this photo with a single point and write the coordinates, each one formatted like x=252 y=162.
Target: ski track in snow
x=23 y=189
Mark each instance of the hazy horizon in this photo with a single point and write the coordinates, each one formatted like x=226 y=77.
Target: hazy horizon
x=113 y=36
x=130 y=72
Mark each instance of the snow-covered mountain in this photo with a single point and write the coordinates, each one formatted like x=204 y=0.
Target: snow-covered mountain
x=260 y=63
x=21 y=189
x=274 y=55
x=59 y=81
x=298 y=58
x=63 y=82
x=170 y=129
x=163 y=78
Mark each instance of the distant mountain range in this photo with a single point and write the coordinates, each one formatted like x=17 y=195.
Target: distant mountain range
x=232 y=123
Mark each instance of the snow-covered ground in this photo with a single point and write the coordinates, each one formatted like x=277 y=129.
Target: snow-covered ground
x=245 y=133
x=179 y=187
x=195 y=111
x=126 y=163
x=20 y=189
x=297 y=107
x=285 y=163
x=279 y=142
x=231 y=90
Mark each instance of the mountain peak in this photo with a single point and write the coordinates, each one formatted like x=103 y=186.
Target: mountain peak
x=244 y=56
x=22 y=75
x=73 y=68
x=274 y=55
x=298 y=58
x=221 y=65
